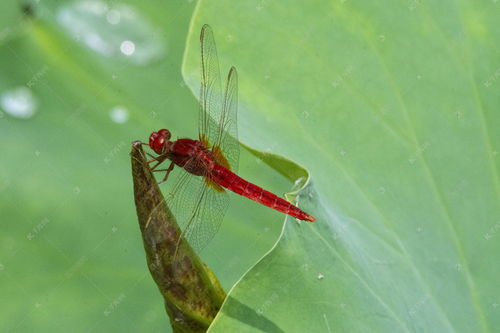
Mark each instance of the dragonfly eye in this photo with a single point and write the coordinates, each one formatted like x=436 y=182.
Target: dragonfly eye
x=152 y=139
x=158 y=139
x=164 y=133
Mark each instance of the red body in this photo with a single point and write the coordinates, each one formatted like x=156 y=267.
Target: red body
x=235 y=183
x=197 y=159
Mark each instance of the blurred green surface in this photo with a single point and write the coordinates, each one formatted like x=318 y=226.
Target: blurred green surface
x=392 y=108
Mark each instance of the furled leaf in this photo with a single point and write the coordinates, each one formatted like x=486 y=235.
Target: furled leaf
x=192 y=293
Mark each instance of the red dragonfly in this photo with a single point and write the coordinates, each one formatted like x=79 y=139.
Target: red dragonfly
x=199 y=203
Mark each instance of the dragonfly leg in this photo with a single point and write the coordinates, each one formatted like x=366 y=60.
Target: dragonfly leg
x=153 y=157
x=144 y=153
x=168 y=170
x=149 y=161
x=160 y=161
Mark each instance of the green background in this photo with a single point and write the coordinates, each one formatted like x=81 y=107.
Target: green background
x=392 y=108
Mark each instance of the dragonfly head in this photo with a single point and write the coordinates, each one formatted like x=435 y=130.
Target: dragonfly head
x=158 y=141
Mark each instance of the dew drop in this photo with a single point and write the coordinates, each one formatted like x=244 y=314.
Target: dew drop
x=114 y=30
x=127 y=47
x=298 y=181
x=118 y=114
x=19 y=102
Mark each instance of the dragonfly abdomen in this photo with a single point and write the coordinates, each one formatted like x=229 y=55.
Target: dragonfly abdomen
x=236 y=184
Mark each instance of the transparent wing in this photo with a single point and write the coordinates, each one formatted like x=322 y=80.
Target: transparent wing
x=211 y=205
x=227 y=136
x=218 y=121
x=207 y=217
x=198 y=208
x=210 y=89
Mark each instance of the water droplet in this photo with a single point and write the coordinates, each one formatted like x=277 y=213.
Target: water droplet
x=127 y=47
x=298 y=181
x=19 y=102
x=118 y=114
x=112 y=30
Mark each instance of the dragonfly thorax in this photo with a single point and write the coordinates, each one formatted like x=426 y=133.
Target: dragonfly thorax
x=192 y=155
x=158 y=141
